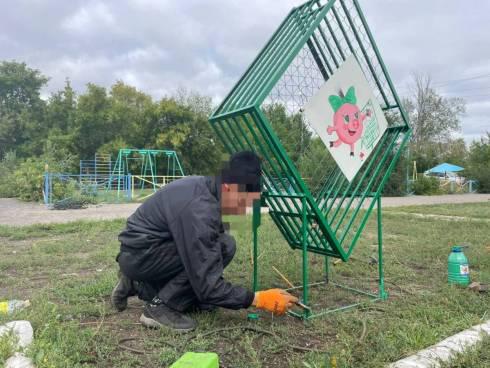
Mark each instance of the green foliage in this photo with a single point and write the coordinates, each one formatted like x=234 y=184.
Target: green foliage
x=24 y=178
x=426 y=185
x=28 y=179
x=397 y=182
x=479 y=163
x=21 y=107
x=105 y=120
x=290 y=129
x=7 y=168
x=8 y=346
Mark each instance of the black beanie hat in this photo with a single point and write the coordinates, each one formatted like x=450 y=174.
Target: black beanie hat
x=243 y=168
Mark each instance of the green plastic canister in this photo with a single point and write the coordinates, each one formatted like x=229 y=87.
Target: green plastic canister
x=458 y=269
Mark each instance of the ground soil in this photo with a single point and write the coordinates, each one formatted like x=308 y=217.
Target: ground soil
x=17 y=213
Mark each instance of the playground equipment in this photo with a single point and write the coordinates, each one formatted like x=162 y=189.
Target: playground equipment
x=137 y=169
x=96 y=171
x=93 y=177
x=326 y=216
x=104 y=180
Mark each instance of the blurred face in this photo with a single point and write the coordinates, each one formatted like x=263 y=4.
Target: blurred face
x=235 y=200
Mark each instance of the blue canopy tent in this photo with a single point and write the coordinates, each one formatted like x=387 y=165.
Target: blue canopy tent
x=445 y=168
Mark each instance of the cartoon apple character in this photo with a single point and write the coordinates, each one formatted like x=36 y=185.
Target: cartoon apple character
x=347 y=120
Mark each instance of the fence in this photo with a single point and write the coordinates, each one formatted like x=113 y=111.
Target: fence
x=110 y=188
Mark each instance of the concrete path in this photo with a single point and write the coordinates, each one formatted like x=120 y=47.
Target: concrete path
x=16 y=213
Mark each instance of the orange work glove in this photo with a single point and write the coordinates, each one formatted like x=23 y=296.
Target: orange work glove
x=276 y=301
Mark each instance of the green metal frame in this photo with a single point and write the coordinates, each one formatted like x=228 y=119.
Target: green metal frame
x=147 y=158
x=328 y=220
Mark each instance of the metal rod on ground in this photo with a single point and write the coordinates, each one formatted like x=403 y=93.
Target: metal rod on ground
x=290 y=284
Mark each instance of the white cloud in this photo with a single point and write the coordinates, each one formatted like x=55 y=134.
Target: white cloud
x=160 y=45
x=89 y=18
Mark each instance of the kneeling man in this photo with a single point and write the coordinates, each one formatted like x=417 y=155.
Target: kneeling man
x=174 y=249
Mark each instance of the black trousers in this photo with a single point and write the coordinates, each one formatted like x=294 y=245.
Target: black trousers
x=159 y=272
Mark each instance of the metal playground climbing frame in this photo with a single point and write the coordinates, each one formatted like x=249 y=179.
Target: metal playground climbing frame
x=329 y=217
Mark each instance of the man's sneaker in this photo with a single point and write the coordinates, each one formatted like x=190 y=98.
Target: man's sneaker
x=123 y=289
x=156 y=314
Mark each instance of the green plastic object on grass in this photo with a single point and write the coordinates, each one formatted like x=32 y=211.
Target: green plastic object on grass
x=197 y=360
x=458 y=269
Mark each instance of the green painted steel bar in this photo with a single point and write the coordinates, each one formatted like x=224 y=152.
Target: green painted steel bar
x=348 y=190
x=292 y=170
x=381 y=63
x=278 y=68
x=357 y=291
x=343 y=180
x=382 y=293
x=238 y=112
x=286 y=37
x=223 y=107
x=318 y=62
x=344 y=33
x=327 y=183
x=249 y=144
x=329 y=186
x=261 y=67
x=366 y=216
x=255 y=227
x=366 y=174
x=378 y=169
x=225 y=142
x=304 y=240
x=325 y=59
x=271 y=202
x=334 y=37
x=266 y=157
x=370 y=182
x=290 y=56
x=284 y=232
x=364 y=52
x=270 y=163
x=276 y=146
x=327 y=44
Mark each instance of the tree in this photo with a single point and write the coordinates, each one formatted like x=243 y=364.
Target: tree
x=21 y=108
x=479 y=163
x=189 y=133
x=91 y=124
x=433 y=118
x=131 y=115
x=292 y=132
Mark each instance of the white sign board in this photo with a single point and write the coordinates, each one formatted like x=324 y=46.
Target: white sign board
x=347 y=117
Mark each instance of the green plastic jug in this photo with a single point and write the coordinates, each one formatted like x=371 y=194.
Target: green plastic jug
x=197 y=360
x=458 y=269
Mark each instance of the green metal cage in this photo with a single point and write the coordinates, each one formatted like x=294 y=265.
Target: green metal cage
x=323 y=213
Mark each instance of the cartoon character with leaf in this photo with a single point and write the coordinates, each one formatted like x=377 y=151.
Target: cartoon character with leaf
x=347 y=120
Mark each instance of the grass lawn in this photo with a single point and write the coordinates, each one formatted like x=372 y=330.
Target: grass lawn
x=68 y=272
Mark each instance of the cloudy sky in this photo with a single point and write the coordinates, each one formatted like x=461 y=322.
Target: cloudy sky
x=205 y=45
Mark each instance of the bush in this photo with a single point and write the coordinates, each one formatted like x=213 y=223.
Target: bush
x=479 y=163
x=7 y=168
x=426 y=185
x=28 y=180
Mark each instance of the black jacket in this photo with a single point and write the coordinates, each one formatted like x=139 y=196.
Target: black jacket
x=187 y=214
